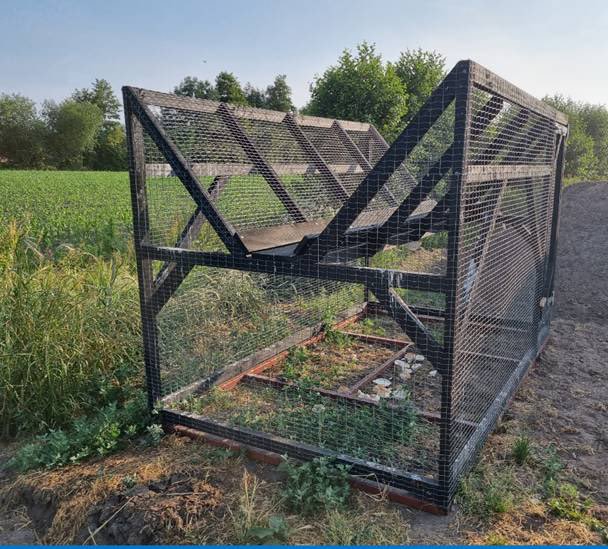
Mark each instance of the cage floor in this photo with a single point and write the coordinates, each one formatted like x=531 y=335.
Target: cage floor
x=356 y=393
x=391 y=436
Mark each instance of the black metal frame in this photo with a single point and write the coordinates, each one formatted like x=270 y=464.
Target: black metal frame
x=308 y=258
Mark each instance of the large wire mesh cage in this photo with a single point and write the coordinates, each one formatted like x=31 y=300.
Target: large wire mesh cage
x=309 y=290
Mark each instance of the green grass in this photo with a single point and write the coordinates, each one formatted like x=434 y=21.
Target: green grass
x=70 y=339
x=522 y=450
x=69 y=298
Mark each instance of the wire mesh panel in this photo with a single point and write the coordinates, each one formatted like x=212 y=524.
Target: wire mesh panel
x=310 y=290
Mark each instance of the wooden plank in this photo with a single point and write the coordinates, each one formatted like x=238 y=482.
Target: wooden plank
x=478 y=174
x=260 y=163
x=141 y=228
x=377 y=372
x=211 y=169
x=486 y=79
x=278 y=265
x=377 y=340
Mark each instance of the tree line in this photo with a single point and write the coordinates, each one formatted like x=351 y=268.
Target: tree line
x=84 y=130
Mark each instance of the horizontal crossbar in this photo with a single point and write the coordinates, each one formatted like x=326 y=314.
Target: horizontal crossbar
x=286 y=266
x=417 y=484
x=211 y=169
x=499 y=172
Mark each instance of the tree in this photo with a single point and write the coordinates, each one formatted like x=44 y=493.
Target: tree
x=278 y=95
x=101 y=95
x=420 y=72
x=255 y=97
x=360 y=87
x=228 y=89
x=21 y=132
x=110 y=149
x=595 y=120
x=191 y=86
x=587 y=148
x=580 y=159
x=72 y=129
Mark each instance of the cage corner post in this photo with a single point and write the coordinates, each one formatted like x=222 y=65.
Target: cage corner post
x=463 y=84
x=141 y=229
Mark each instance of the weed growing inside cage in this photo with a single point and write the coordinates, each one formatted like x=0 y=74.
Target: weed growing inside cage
x=332 y=363
x=315 y=486
x=371 y=326
x=336 y=337
x=370 y=432
x=296 y=358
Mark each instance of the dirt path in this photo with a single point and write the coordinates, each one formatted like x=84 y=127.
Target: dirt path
x=564 y=398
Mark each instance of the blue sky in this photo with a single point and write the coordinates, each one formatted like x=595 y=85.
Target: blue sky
x=50 y=47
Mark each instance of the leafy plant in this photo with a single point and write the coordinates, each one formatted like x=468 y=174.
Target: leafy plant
x=371 y=326
x=296 y=357
x=568 y=504
x=275 y=533
x=484 y=493
x=317 y=485
x=155 y=433
x=551 y=467
x=96 y=435
x=521 y=450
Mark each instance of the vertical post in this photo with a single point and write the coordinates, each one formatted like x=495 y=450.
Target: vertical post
x=462 y=128
x=559 y=174
x=141 y=227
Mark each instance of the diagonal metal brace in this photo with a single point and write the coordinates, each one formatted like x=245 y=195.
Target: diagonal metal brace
x=409 y=322
x=183 y=171
x=263 y=167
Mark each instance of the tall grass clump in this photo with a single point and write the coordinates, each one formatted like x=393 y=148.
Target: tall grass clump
x=69 y=341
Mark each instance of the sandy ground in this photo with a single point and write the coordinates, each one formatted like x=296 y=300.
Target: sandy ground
x=563 y=400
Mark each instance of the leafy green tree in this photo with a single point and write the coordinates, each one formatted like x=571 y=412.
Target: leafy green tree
x=361 y=87
x=580 y=159
x=72 y=129
x=102 y=95
x=278 y=95
x=420 y=73
x=21 y=132
x=228 y=89
x=595 y=120
x=255 y=97
x=110 y=149
x=193 y=87
x=587 y=146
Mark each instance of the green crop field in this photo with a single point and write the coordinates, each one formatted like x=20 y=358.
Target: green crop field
x=91 y=210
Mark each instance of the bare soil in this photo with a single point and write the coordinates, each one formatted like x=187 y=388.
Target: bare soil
x=154 y=495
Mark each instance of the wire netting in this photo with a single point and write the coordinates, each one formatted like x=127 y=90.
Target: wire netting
x=311 y=290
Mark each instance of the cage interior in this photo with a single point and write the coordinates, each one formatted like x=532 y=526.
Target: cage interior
x=389 y=299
